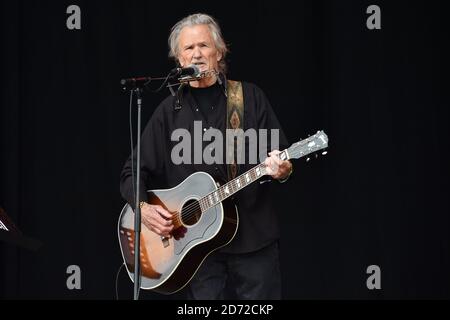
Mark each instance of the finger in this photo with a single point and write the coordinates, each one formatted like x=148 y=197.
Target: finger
x=274 y=152
x=156 y=215
x=163 y=212
x=274 y=164
x=268 y=164
x=165 y=230
x=271 y=161
x=159 y=220
x=152 y=222
x=276 y=160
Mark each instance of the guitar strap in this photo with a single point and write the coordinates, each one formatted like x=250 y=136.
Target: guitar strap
x=235 y=121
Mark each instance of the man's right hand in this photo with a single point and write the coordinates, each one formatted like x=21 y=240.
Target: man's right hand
x=157 y=219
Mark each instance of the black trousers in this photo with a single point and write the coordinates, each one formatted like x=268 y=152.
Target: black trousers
x=247 y=276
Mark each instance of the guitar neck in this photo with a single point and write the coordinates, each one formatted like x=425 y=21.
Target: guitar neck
x=238 y=183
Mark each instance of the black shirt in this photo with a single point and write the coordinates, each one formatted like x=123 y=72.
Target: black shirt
x=208 y=99
x=258 y=223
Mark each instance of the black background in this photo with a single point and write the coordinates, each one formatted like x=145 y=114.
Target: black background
x=380 y=196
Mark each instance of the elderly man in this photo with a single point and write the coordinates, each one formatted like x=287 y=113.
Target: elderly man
x=247 y=267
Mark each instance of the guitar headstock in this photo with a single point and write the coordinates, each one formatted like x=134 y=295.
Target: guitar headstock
x=309 y=145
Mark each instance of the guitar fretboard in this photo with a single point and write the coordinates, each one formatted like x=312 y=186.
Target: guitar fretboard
x=238 y=183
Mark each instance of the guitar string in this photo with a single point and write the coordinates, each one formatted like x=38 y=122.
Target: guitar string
x=191 y=210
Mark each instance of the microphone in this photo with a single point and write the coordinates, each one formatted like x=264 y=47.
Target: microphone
x=138 y=82
x=190 y=70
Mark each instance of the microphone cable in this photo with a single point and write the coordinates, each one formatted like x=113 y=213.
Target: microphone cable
x=117 y=280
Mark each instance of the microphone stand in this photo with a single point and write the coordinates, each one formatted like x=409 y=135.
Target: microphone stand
x=137 y=210
x=137 y=85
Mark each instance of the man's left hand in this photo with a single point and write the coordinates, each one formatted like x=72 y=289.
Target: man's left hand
x=277 y=168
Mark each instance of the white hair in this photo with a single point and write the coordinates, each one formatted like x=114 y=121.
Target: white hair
x=193 y=20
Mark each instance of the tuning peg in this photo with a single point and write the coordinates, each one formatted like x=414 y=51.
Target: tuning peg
x=307 y=159
x=316 y=155
x=324 y=153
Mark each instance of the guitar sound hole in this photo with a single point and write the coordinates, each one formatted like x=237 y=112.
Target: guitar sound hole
x=191 y=213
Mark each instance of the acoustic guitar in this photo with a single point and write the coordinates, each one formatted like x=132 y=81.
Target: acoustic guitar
x=204 y=220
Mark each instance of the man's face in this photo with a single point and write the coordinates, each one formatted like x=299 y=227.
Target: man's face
x=197 y=47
